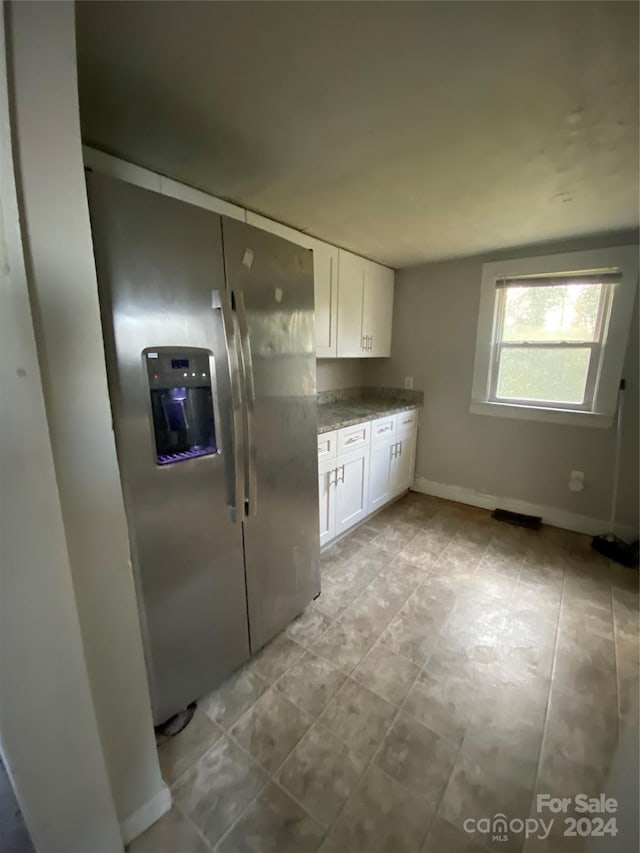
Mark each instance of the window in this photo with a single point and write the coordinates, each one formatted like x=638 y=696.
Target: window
x=548 y=339
x=552 y=334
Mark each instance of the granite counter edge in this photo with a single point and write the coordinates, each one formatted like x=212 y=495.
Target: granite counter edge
x=373 y=415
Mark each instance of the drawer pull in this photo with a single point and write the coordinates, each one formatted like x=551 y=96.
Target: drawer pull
x=354 y=439
x=384 y=429
x=408 y=421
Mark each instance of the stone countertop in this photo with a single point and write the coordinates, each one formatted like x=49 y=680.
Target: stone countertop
x=366 y=405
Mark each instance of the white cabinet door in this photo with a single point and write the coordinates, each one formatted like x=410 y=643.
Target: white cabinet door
x=412 y=447
x=351 y=273
x=365 y=307
x=403 y=463
x=377 y=310
x=327 y=493
x=352 y=489
x=380 y=474
x=325 y=285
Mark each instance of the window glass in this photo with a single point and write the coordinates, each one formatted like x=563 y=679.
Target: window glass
x=566 y=312
x=554 y=375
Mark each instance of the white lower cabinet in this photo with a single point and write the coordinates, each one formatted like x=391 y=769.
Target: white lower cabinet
x=343 y=486
x=402 y=463
x=380 y=469
x=352 y=485
x=391 y=469
x=352 y=475
x=326 y=472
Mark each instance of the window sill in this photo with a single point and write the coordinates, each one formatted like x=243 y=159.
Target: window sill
x=535 y=413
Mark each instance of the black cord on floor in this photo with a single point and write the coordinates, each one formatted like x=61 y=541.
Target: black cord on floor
x=174 y=725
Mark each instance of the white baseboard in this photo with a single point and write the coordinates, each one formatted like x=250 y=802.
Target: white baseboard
x=550 y=515
x=134 y=825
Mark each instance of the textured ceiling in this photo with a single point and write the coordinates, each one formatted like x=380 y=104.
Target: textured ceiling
x=403 y=131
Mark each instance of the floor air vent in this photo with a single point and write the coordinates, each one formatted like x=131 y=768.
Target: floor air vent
x=533 y=522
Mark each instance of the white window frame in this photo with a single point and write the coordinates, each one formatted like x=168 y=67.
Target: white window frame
x=605 y=367
x=596 y=346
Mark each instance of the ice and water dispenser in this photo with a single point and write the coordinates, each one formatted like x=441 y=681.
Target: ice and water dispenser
x=181 y=403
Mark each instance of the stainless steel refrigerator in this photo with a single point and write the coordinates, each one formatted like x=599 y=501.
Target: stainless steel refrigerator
x=209 y=341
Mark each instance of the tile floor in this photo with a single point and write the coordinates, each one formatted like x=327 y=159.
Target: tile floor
x=452 y=667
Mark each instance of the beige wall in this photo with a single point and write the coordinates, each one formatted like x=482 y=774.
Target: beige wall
x=49 y=734
x=332 y=373
x=64 y=298
x=434 y=334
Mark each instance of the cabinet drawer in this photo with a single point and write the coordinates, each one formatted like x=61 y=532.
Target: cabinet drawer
x=328 y=445
x=406 y=421
x=383 y=429
x=353 y=437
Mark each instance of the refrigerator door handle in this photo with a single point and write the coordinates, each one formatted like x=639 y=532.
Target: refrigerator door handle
x=251 y=479
x=221 y=301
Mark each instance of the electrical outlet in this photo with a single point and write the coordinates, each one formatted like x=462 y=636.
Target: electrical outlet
x=576 y=481
x=408 y=383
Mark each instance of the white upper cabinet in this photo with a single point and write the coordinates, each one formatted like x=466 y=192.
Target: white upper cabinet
x=351 y=272
x=353 y=297
x=365 y=307
x=325 y=282
x=377 y=312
